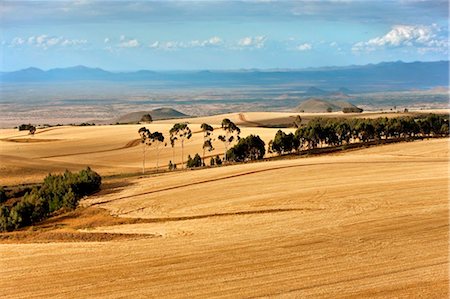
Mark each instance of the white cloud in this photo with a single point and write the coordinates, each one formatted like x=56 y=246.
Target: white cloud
x=334 y=44
x=44 y=41
x=131 y=43
x=168 y=45
x=252 y=42
x=304 y=47
x=419 y=36
x=17 y=41
x=106 y=40
x=73 y=42
x=214 y=41
x=40 y=40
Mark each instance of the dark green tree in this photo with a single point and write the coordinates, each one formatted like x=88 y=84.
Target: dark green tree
x=249 y=148
x=207 y=139
x=156 y=139
x=145 y=139
x=146 y=118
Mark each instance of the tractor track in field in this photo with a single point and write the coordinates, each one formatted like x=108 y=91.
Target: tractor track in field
x=216 y=215
x=131 y=143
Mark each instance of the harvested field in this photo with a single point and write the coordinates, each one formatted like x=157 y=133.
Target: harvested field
x=116 y=150
x=365 y=223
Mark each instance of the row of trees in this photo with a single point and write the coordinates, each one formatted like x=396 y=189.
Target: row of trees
x=338 y=131
x=56 y=192
x=318 y=132
x=180 y=133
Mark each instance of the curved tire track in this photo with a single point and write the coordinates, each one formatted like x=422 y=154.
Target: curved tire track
x=132 y=143
x=215 y=215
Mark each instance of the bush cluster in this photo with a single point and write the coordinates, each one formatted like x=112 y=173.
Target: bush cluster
x=57 y=192
x=25 y=127
x=215 y=161
x=249 y=148
x=194 y=162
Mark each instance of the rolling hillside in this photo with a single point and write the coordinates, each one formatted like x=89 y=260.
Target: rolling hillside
x=315 y=105
x=157 y=114
x=210 y=233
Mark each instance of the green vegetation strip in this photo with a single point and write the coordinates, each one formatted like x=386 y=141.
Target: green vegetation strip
x=57 y=192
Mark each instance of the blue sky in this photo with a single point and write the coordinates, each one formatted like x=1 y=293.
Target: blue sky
x=178 y=35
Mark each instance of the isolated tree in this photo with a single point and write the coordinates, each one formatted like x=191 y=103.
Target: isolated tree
x=207 y=140
x=182 y=132
x=146 y=118
x=32 y=130
x=173 y=139
x=298 y=121
x=157 y=139
x=231 y=133
x=145 y=135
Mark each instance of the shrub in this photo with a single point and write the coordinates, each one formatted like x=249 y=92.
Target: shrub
x=3 y=196
x=218 y=161
x=194 y=162
x=172 y=166
x=5 y=224
x=25 y=127
x=352 y=110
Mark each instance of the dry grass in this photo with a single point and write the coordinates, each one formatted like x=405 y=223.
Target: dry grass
x=366 y=223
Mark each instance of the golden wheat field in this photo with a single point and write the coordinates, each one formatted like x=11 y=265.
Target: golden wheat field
x=116 y=149
x=107 y=149
x=364 y=223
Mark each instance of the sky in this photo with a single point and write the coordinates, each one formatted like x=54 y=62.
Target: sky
x=193 y=35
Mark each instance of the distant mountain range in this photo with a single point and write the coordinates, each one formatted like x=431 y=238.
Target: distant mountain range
x=390 y=75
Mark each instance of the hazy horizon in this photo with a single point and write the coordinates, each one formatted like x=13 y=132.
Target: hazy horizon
x=222 y=70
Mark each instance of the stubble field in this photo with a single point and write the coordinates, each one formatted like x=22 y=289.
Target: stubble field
x=364 y=223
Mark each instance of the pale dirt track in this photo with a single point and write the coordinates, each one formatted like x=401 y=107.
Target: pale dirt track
x=367 y=223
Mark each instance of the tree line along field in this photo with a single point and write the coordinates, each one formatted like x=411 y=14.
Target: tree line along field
x=113 y=150
x=365 y=223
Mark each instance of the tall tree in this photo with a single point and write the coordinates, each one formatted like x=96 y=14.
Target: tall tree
x=207 y=140
x=231 y=133
x=182 y=132
x=145 y=134
x=156 y=138
x=298 y=121
x=173 y=139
